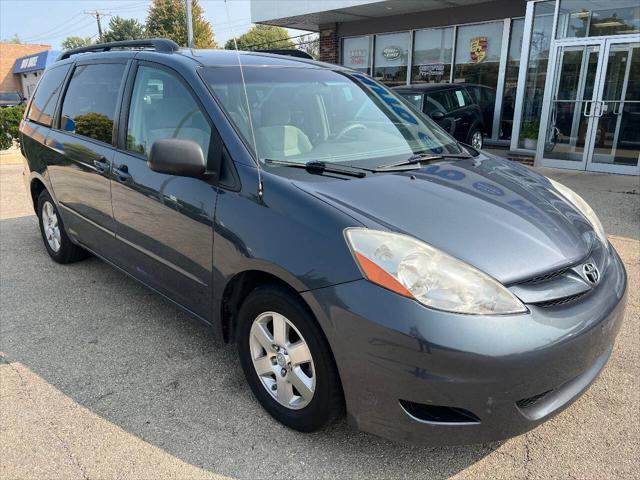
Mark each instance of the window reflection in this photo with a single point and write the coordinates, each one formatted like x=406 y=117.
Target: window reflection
x=432 y=52
x=478 y=50
x=356 y=53
x=589 y=18
x=391 y=58
x=536 y=74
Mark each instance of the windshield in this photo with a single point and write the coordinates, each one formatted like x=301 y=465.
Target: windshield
x=312 y=114
x=9 y=97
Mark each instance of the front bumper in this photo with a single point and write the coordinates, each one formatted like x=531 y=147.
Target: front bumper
x=511 y=372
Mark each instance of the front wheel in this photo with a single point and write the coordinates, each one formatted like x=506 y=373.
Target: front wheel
x=475 y=139
x=287 y=360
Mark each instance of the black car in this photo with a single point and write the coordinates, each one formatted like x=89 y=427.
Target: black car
x=359 y=258
x=452 y=107
x=10 y=99
x=485 y=98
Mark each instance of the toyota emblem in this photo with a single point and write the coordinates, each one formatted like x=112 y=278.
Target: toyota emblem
x=591 y=273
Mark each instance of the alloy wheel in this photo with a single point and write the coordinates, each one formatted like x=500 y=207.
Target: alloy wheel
x=476 y=140
x=282 y=360
x=51 y=226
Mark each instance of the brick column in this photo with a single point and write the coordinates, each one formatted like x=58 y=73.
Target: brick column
x=329 y=43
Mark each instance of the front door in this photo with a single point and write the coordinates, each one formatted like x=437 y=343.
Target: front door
x=591 y=120
x=164 y=223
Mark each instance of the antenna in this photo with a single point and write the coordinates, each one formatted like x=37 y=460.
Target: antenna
x=246 y=98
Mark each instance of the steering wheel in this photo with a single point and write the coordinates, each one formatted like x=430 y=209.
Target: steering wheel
x=184 y=120
x=349 y=128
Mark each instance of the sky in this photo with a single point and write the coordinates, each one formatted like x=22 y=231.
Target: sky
x=51 y=21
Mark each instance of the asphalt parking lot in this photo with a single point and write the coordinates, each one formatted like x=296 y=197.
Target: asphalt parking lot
x=100 y=378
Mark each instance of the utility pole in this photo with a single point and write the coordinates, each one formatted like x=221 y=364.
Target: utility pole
x=187 y=4
x=98 y=14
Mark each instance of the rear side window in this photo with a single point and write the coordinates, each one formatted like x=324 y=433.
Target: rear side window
x=89 y=105
x=46 y=96
x=162 y=107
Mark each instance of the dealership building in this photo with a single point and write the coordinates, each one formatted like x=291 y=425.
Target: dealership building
x=563 y=75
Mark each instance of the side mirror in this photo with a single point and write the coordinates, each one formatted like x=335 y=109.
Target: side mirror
x=177 y=157
x=437 y=115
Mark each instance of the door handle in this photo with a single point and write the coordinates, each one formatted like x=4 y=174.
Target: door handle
x=101 y=164
x=586 y=106
x=122 y=173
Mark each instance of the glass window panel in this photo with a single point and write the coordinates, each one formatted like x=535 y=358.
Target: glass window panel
x=617 y=136
x=478 y=54
x=432 y=52
x=511 y=78
x=438 y=102
x=44 y=101
x=540 y=43
x=391 y=57
x=593 y=18
x=162 y=107
x=90 y=102
x=356 y=53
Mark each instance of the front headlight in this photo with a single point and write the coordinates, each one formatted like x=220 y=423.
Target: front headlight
x=583 y=207
x=417 y=270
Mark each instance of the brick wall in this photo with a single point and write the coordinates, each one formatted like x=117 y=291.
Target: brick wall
x=8 y=54
x=329 y=43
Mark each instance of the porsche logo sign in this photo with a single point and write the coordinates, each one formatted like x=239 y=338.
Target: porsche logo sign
x=478 y=49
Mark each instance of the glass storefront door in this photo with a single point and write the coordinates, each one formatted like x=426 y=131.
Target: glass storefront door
x=592 y=113
x=617 y=120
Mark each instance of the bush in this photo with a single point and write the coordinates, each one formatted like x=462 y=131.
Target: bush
x=530 y=130
x=9 y=125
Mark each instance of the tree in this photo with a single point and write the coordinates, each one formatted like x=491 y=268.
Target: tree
x=167 y=18
x=123 y=29
x=14 y=39
x=262 y=37
x=75 y=42
x=309 y=44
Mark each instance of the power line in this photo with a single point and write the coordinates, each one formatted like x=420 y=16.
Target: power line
x=98 y=14
x=80 y=24
x=62 y=26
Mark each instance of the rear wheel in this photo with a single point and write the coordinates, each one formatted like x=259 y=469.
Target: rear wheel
x=475 y=139
x=287 y=361
x=55 y=239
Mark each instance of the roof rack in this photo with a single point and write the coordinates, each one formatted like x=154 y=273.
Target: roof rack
x=291 y=52
x=161 y=45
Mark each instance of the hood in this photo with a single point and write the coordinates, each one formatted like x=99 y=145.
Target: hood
x=491 y=213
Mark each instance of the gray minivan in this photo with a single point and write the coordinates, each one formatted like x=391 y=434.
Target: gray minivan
x=360 y=258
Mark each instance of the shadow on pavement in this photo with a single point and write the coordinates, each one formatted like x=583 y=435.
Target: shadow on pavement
x=138 y=361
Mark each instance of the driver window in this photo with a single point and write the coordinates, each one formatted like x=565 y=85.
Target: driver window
x=437 y=102
x=162 y=107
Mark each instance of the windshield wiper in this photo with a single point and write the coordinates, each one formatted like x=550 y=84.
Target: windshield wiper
x=420 y=158
x=320 y=167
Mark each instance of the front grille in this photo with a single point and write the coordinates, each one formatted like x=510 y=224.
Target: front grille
x=545 y=277
x=557 y=302
x=531 y=401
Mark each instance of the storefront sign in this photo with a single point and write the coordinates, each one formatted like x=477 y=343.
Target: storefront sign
x=431 y=69
x=358 y=56
x=391 y=53
x=478 y=49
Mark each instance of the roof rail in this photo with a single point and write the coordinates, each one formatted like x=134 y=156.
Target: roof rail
x=161 y=45
x=291 y=52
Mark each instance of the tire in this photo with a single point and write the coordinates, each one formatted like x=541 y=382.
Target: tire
x=475 y=137
x=326 y=403
x=56 y=241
